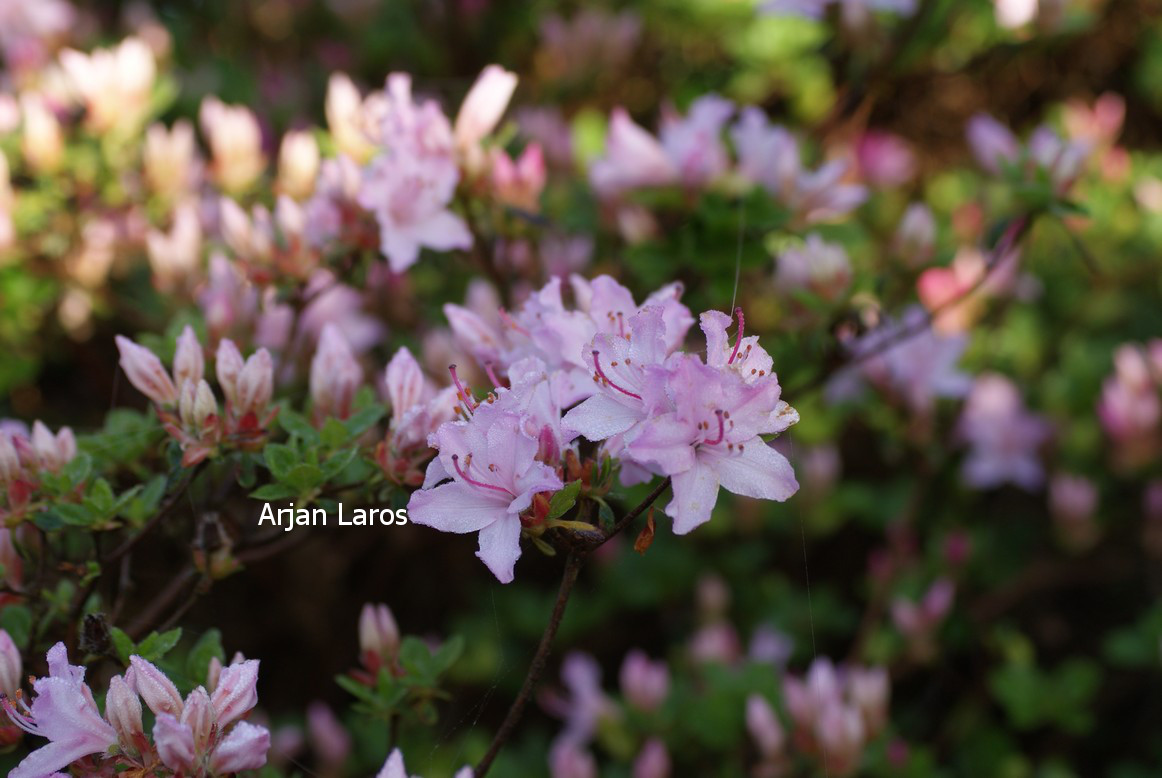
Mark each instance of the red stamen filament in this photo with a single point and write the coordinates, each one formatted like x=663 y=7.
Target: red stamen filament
x=741 y=329
x=601 y=374
x=721 y=431
x=467 y=479
x=492 y=375
x=462 y=393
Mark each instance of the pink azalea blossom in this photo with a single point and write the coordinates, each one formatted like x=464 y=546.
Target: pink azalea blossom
x=410 y=184
x=633 y=159
x=394 y=768
x=645 y=683
x=491 y=463
x=693 y=142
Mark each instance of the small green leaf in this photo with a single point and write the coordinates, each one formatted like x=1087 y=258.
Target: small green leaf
x=564 y=499
x=334 y=433
x=270 y=492
x=209 y=646
x=156 y=645
x=364 y=420
x=296 y=424
x=16 y=620
x=304 y=477
x=280 y=459
x=123 y=644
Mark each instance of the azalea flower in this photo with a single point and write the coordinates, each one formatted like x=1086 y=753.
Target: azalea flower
x=1003 y=436
x=483 y=478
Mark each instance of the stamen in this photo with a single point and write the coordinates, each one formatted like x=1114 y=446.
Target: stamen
x=605 y=378
x=620 y=324
x=462 y=393
x=721 y=431
x=491 y=375
x=504 y=317
x=467 y=479
x=741 y=330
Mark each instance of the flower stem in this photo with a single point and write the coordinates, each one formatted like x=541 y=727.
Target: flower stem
x=573 y=565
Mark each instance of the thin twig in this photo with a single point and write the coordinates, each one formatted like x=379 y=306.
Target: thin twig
x=536 y=668
x=162 y=511
x=573 y=565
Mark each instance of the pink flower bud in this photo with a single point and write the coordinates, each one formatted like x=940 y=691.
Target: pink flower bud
x=9 y=557
x=329 y=739
x=992 y=143
x=197 y=404
x=10 y=666
x=42 y=143
x=236 y=692
x=236 y=142
x=175 y=257
x=175 y=743
x=52 y=453
x=483 y=106
x=198 y=715
x=349 y=118
x=335 y=375
x=213 y=673
x=569 y=760
x=188 y=362
x=145 y=372
x=378 y=633
x=885 y=159
x=644 y=683
x=158 y=691
x=298 y=164
x=653 y=761
x=840 y=732
x=938 y=601
x=10 y=468
x=405 y=382
x=169 y=158
x=763 y=725
x=244 y=748
x=228 y=365
x=915 y=239
x=123 y=711
x=869 y=689
x=255 y=383
x=519 y=183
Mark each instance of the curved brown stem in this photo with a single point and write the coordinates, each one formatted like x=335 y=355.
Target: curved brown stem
x=573 y=565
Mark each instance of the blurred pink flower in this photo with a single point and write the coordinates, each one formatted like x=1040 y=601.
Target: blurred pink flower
x=1003 y=437
x=885 y=159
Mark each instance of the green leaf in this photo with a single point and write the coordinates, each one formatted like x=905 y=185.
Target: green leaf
x=363 y=420
x=338 y=462
x=100 y=497
x=75 y=515
x=448 y=653
x=334 y=433
x=78 y=469
x=16 y=620
x=564 y=499
x=145 y=501
x=156 y=645
x=280 y=459
x=304 y=477
x=123 y=644
x=296 y=424
x=208 y=647
x=270 y=492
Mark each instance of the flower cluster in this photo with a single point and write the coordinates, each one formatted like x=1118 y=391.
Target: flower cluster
x=197 y=423
x=611 y=371
x=203 y=735
x=1130 y=408
x=24 y=456
x=691 y=151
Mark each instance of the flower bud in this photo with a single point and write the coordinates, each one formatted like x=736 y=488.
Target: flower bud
x=644 y=683
x=52 y=453
x=10 y=468
x=174 y=257
x=329 y=739
x=840 y=732
x=405 y=382
x=10 y=665
x=763 y=725
x=519 y=183
x=123 y=710
x=869 y=690
x=255 y=383
x=347 y=118
x=168 y=158
x=335 y=375
x=236 y=142
x=236 y=692
x=992 y=143
x=188 y=362
x=298 y=164
x=198 y=715
x=145 y=372
x=42 y=143
x=9 y=557
x=915 y=239
x=569 y=760
x=158 y=691
x=244 y=748
x=197 y=404
x=229 y=366
x=653 y=761
x=175 y=743
x=483 y=106
x=378 y=633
